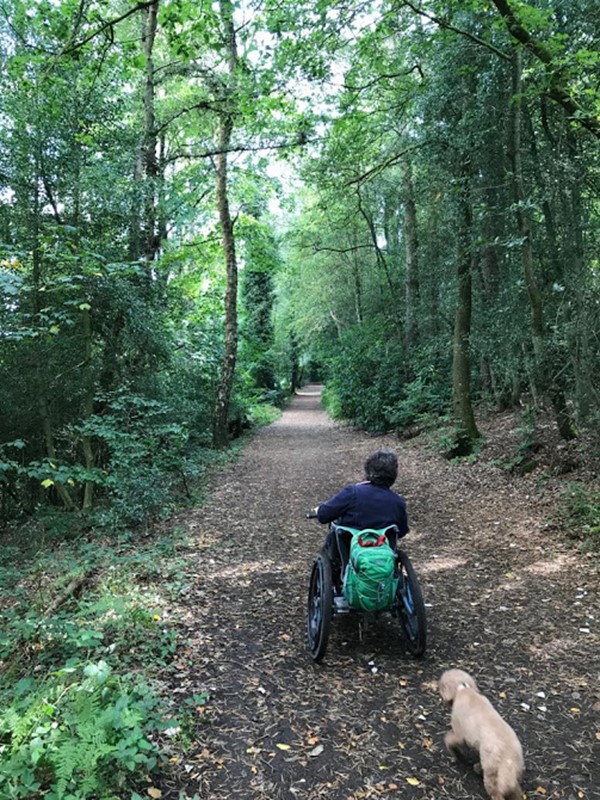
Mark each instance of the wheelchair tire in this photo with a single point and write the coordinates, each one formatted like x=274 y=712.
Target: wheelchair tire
x=411 y=609
x=320 y=606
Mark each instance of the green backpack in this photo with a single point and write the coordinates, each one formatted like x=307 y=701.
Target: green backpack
x=369 y=581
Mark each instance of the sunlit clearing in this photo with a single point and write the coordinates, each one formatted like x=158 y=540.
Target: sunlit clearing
x=544 y=567
x=441 y=564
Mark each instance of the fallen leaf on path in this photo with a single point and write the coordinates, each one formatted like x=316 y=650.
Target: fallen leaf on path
x=316 y=751
x=282 y=746
x=154 y=792
x=413 y=781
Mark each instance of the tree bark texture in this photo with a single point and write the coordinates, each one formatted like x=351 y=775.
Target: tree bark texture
x=43 y=401
x=225 y=385
x=411 y=286
x=142 y=223
x=461 y=365
x=150 y=143
x=544 y=367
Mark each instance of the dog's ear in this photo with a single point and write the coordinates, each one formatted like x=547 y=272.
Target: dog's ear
x=447 y=689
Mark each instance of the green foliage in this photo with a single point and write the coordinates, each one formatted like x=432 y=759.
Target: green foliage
x=523 y=461
x=81 y=733
x=77 y=717
x=145 y=454
x=579 y=515
x=262 y=414
x=366 y=381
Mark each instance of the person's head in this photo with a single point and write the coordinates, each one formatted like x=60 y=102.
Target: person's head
x=381 y=468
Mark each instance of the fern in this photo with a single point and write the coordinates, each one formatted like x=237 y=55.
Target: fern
x=77 y=736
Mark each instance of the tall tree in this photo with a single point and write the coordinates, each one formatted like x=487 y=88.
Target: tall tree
x=226 y=123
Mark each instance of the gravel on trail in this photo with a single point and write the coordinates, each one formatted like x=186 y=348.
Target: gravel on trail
x=506 y=600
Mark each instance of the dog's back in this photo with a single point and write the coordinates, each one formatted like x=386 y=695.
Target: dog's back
x=476 y=720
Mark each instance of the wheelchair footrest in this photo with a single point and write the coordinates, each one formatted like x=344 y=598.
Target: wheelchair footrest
x=340 y=604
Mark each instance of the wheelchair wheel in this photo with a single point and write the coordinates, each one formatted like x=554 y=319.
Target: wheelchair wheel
x=411 y=609
x=320 y=602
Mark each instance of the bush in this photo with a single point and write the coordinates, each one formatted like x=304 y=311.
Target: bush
x=144 y=452
x=367 y=383
x=420 y=399
x=81 y=734
x=580 y=515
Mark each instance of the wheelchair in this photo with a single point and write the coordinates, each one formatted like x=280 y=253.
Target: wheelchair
x=326 y=599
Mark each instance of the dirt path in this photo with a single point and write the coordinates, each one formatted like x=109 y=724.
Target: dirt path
x=505 y=601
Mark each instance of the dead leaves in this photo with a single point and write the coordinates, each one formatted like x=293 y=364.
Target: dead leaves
x=309 y=748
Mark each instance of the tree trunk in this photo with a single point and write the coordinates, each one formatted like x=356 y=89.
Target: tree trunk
x=41 y=378
x=586 y=327
x=543 y=366
x=87 y=335
x=381 y=260
x=224 y=389
x=461 y=367
x=149 y=156
x=142 y=226
x=357 y=279
x=411 y=293
x=88 y=406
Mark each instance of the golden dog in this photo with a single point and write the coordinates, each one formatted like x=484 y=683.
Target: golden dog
x=477 y=725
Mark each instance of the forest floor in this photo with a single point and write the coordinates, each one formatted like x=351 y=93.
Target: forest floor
x=507 y=600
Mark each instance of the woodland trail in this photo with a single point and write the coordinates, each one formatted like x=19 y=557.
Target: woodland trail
x=506 y=601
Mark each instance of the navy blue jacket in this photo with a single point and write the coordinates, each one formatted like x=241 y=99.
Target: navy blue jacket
x=366 y=505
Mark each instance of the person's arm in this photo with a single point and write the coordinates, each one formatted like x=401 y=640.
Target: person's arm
x=336 y=506
x=402 y=522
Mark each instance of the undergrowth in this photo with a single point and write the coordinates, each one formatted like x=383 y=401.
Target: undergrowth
x=579 y=515
x=79 y=717
x=84 y=626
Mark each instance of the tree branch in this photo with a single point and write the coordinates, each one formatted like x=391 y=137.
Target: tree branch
x=342 y=250
x=556 y=91
x=384 y=76
x=297 y=142
x=443 y=23
x=108 y=25
x=390 y=162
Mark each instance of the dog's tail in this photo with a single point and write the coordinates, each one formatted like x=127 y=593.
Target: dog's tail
x=507 y=781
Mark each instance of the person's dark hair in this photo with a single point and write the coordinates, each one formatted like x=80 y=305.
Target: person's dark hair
x=381 y=468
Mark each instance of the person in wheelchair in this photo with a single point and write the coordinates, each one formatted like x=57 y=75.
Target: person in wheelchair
x=372 y=503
